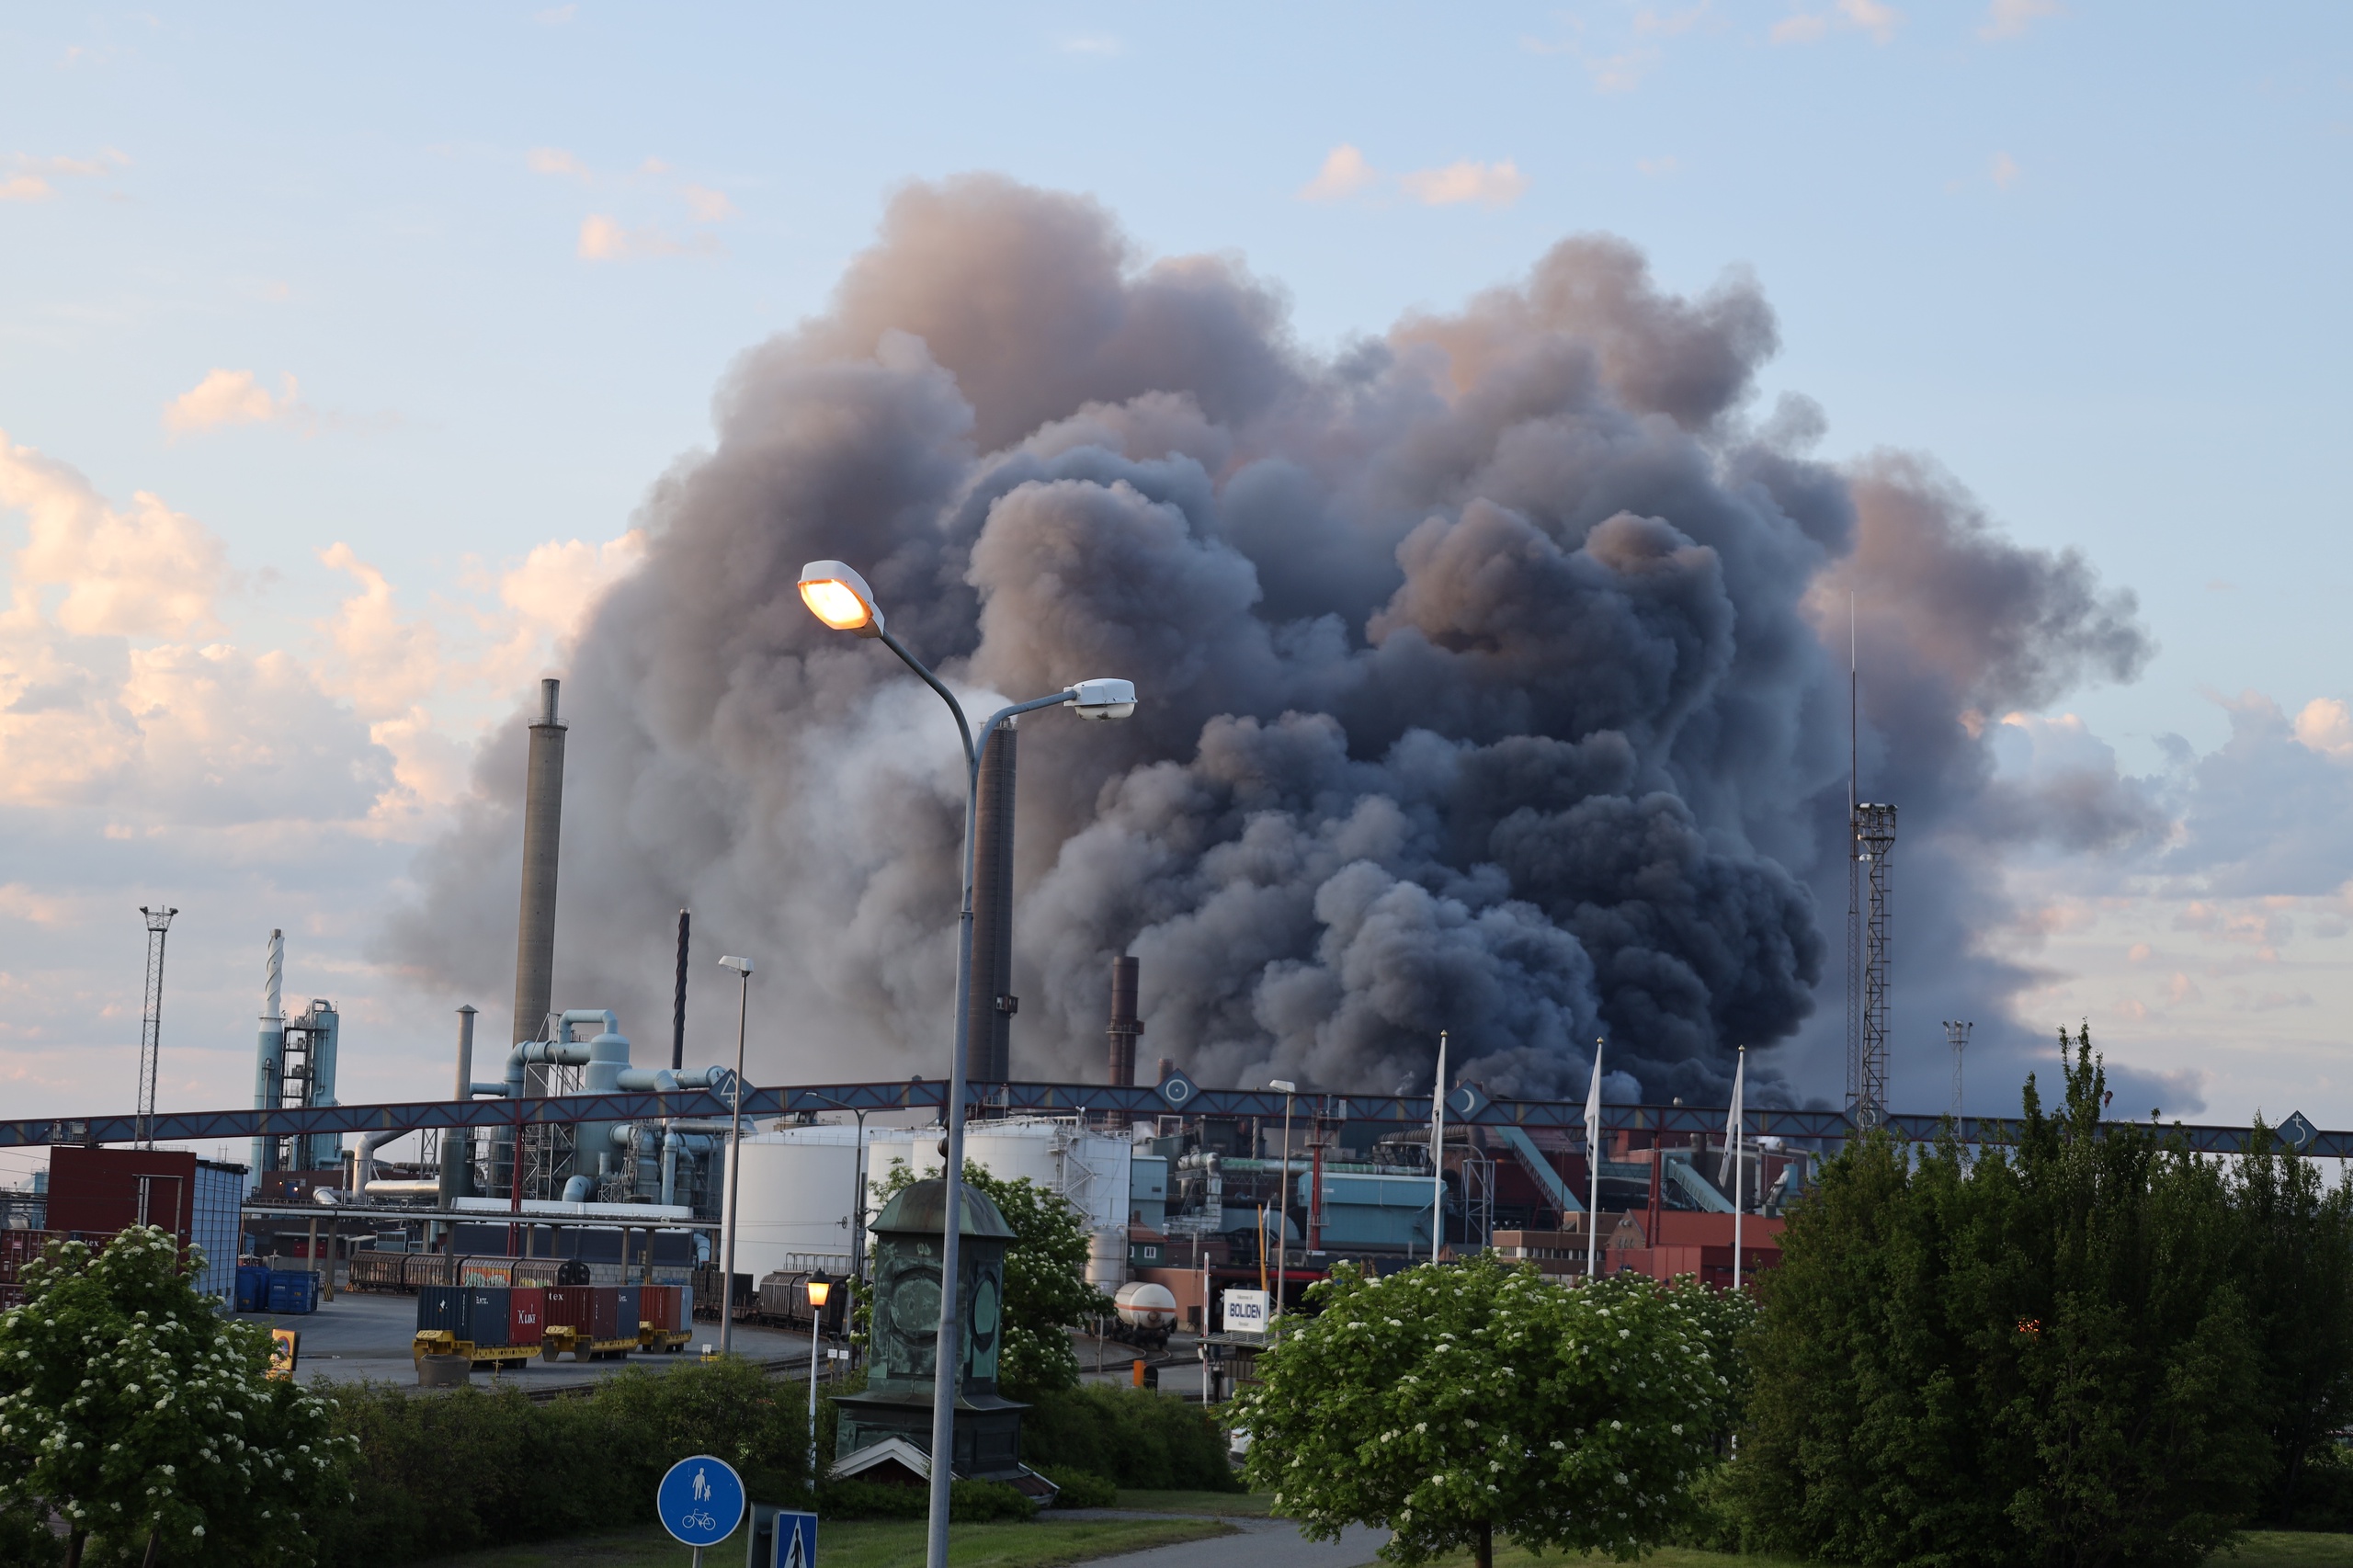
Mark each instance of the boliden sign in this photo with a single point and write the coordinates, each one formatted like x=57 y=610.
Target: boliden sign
x=1245 y=1311
x=701 y=1501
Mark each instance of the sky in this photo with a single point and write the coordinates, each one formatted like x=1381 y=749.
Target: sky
x=339 y=351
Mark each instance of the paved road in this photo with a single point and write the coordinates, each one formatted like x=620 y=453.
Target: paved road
x=364 y=1334
x=1264 y=1543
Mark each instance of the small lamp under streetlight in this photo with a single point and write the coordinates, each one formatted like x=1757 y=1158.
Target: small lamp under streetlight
x=819 y=1288
x=1285 y=1088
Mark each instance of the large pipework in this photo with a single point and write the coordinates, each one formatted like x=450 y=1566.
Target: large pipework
x=990 y=1003
x=269 y=1054
x=543 y=829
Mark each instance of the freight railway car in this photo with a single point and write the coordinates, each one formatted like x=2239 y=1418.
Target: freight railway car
x=784 y=1301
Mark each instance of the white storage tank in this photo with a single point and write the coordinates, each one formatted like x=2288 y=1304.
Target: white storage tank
x=1090 y=1170
x=1106 y=1258
x=798 y=1188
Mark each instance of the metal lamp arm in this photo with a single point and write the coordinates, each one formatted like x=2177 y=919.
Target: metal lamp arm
x=964 y=725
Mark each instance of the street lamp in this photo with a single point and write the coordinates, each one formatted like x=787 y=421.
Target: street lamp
x=742 y=968
x=1282 y=1230
x=819 y=1288
x=837 y=595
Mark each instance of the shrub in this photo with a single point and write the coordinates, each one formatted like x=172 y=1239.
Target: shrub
x=441 y=1474
x=856 y=1499
x=974 y=1501
x=1139 y=1438
x=1080 y=1488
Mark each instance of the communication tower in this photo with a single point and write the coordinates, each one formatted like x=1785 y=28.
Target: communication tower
x=1874 y=837
x=150 y=1020
x=1957 y=1035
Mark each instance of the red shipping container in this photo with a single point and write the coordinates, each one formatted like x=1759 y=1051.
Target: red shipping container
x=567 y=1306
x=526 y=1314
x=658 y=1304
x=605 y=1312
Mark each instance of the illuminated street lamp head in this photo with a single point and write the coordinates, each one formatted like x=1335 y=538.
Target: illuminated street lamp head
x=1103 y=698
x=819 y=1288
x=837 y=595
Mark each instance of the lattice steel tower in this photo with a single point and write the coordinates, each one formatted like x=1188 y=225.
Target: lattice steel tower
x=1873 y=827
x=1957 y=1035
x=150 y=1020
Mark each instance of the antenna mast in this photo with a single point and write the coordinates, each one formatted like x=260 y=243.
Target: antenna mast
x=150 y=1020
x=1871 y=834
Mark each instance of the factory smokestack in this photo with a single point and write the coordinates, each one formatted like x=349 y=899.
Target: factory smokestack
x=991 y=1003
x=542 y=827
x=1125 y=1025
x=679 y=999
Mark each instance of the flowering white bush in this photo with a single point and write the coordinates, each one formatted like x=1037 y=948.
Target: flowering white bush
x=1452 y=1403
x=135 y=1411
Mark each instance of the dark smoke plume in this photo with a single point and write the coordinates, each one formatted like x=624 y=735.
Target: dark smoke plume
x=1483 y=672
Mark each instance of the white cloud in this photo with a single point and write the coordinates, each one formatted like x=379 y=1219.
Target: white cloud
x=1657 y=168
x=1488 y=185
x=604 y=238
x=2005 y=171
x=30 y=182
x=556 y=16
x=557 y=162
x=2011 y=19
x=231 y=397
x=1344 y=173
x=146 y=572
x=707 y=206
x=1100 y=45
x=1872 y=17
x=2325 y=725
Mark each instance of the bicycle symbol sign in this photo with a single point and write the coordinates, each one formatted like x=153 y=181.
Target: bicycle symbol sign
x=701 y=1501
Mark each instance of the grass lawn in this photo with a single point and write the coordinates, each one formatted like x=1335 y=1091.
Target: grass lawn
x=1224 y=1505
x=873 y=1543
x=2263 y=1549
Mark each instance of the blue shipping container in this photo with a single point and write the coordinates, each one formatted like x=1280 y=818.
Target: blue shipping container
x=293 y=1293
x=252 y=1288
x=441 y=1306
x=488 y=1314
x=627 y=1314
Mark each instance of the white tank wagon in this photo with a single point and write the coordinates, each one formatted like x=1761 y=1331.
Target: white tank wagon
x=1147 y=1314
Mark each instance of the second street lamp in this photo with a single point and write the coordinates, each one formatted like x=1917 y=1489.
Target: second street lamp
x=819 y=1288
x=836 y=594
x=742 y=968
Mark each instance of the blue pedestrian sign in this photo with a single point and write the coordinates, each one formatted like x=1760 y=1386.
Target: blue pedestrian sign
x=701 y=1501
x=796 y=1540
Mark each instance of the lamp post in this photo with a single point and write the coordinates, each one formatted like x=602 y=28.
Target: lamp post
x=742 y=968
x=837 y=595
x=1282 y=1230
x=819 y=1288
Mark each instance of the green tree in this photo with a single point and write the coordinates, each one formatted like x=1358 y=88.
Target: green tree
x=1046 y=1293
x=1454 y=1402
x=148 y=1422
x=2295 y=1238
x=2043 y=1358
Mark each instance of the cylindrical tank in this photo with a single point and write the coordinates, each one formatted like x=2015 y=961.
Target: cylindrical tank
x=797 y=1189
x=1107 y=1257
x=1143 y=1304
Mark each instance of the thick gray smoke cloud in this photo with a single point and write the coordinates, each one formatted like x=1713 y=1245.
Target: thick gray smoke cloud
x=1483 y=674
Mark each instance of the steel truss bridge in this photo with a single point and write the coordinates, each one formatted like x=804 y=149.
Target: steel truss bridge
x=1179 y=1096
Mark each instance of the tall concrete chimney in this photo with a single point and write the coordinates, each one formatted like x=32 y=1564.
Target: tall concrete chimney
x=1125 y=1025
x=542 y=827
x=990 y=1004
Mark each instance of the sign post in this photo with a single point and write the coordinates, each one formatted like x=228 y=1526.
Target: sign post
x=701 y=1502
x=780 y=1538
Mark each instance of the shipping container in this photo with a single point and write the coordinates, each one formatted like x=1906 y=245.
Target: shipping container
x=486 y=1312
x=605 y=1312
x=659 y=1306
x=252 y=1288
x=440 y=1306
x=291 y=1294
x=627 y=1310
x=526 y=1314
x=569 y=1306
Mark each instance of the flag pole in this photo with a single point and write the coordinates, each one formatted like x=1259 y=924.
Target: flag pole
x=1437 y=1152
x=1593 y=1167
x=1738 y=1131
